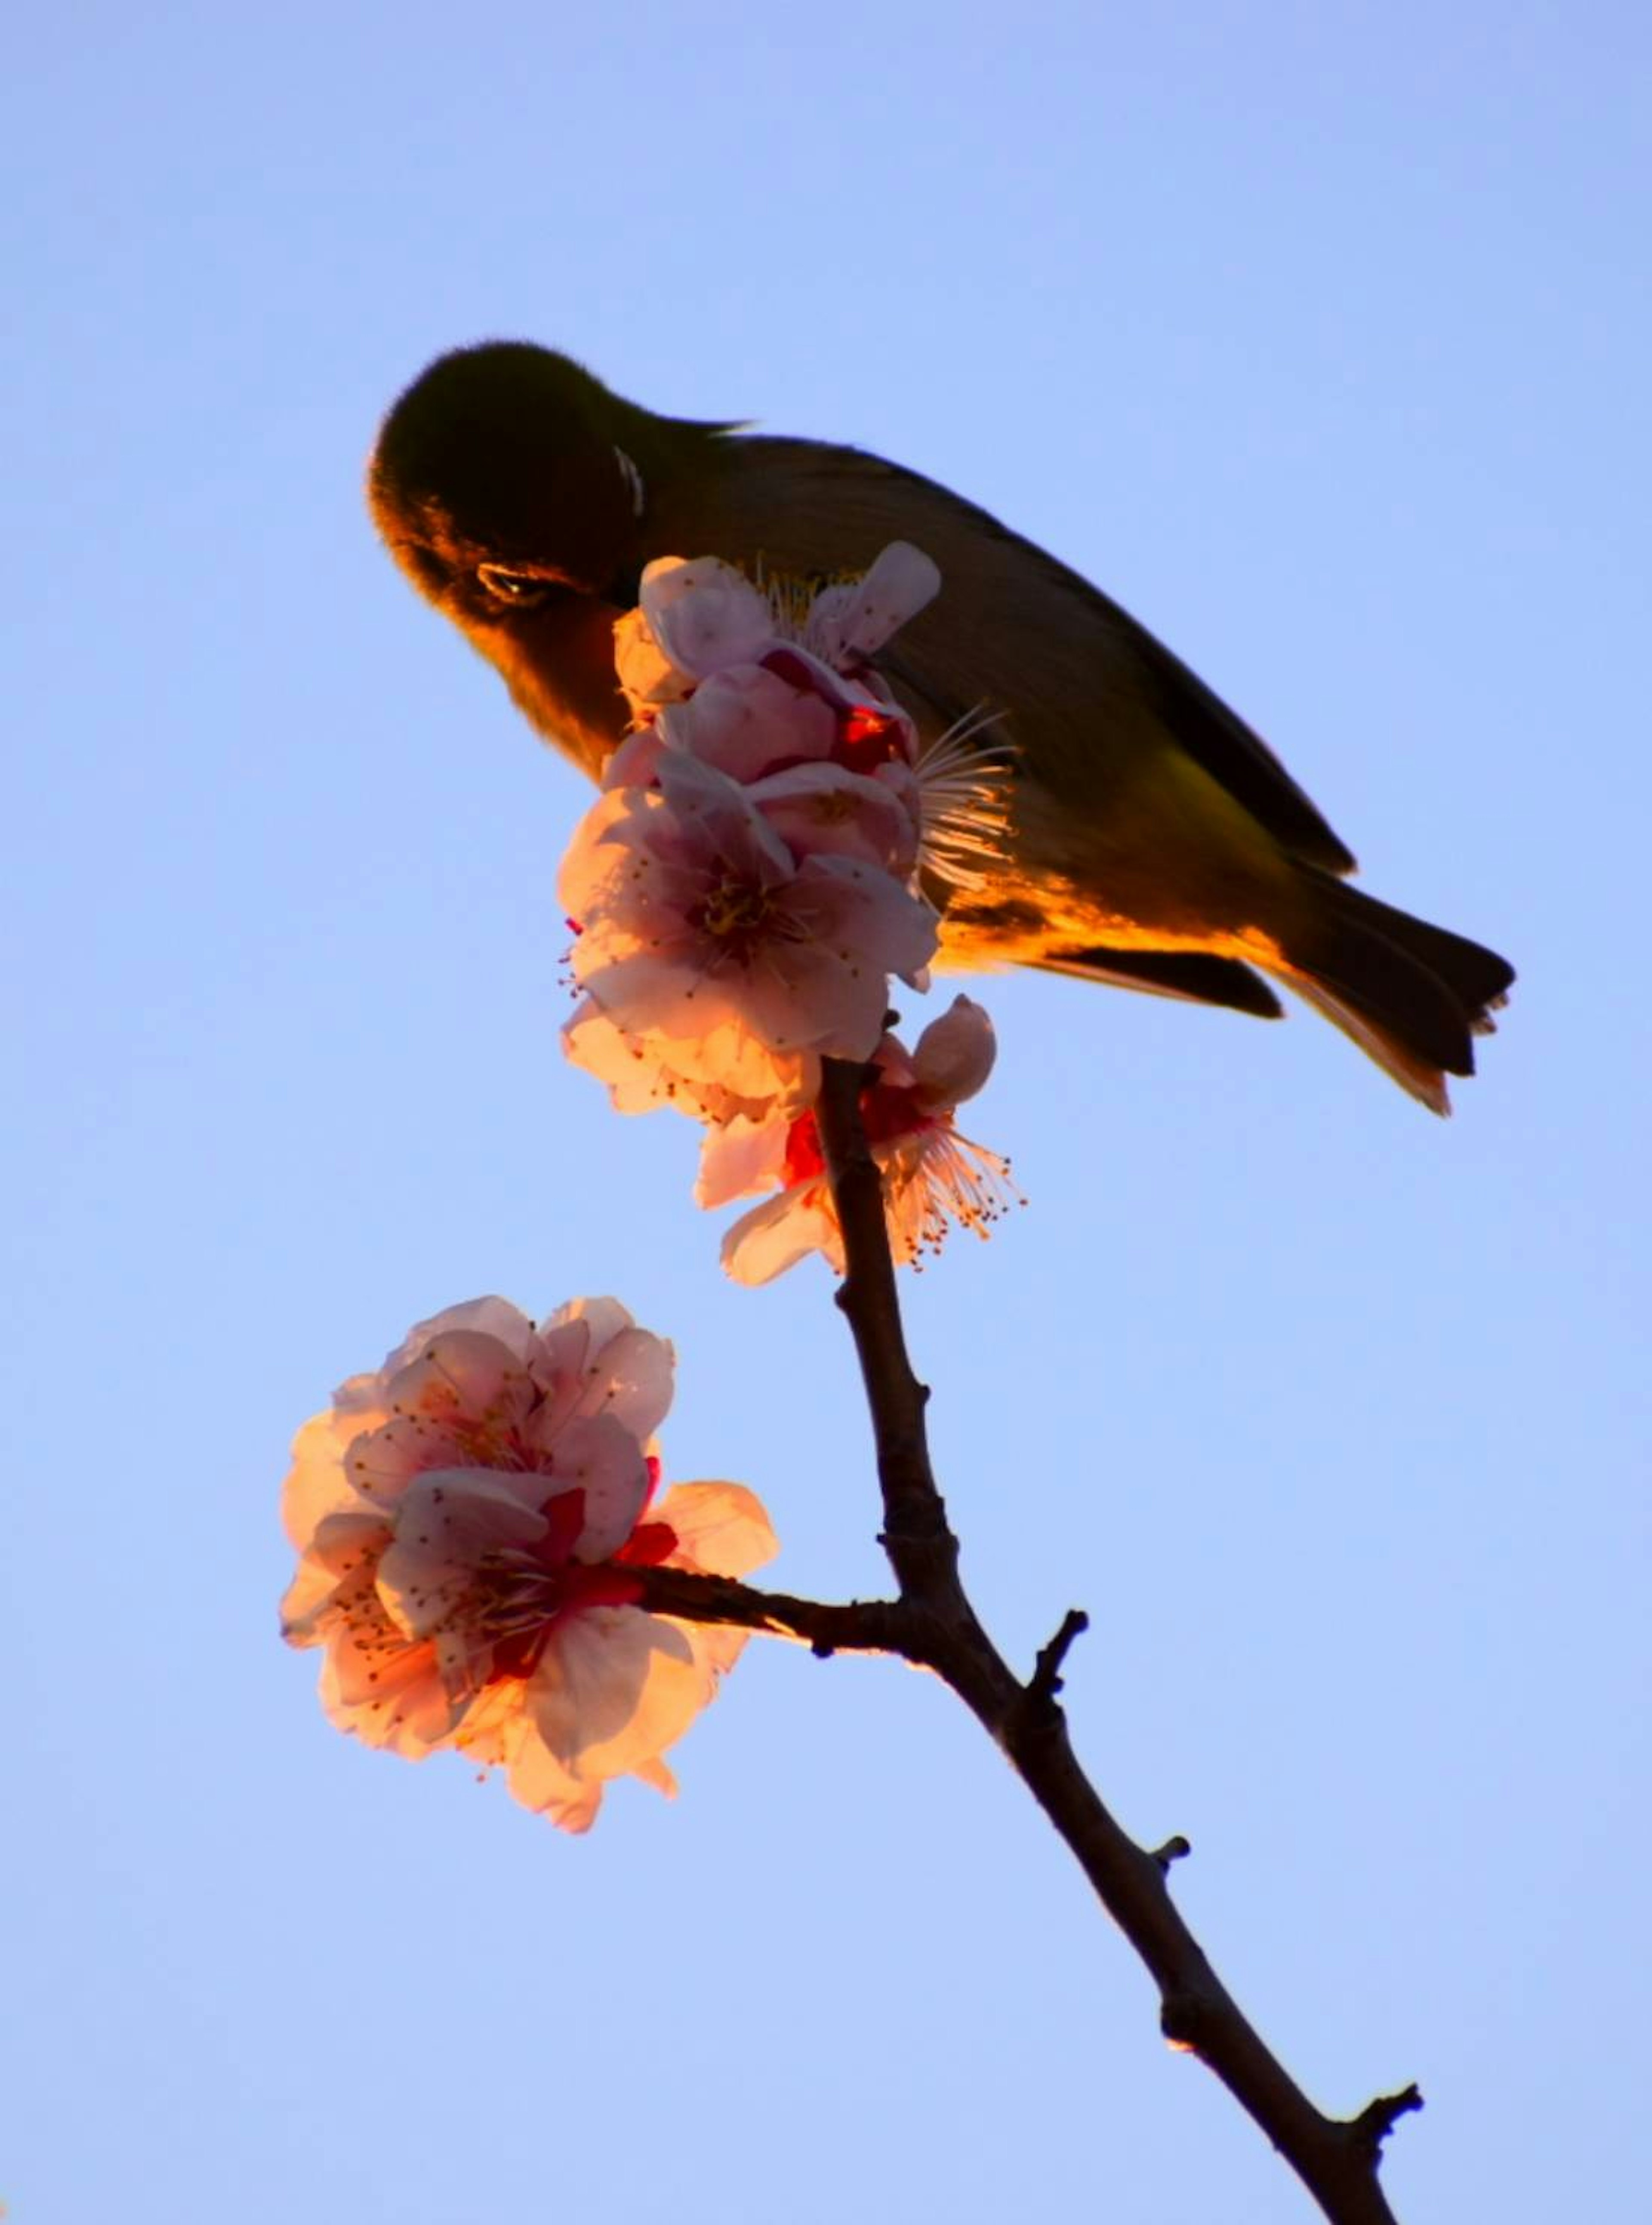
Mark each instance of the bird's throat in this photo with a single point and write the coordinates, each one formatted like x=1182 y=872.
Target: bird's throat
x=558 y=661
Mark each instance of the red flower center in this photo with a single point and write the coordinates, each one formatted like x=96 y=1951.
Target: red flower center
x=564 y=1585
x=866 y=739
x=888 y=1109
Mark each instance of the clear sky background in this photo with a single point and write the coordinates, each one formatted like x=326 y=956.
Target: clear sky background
x=1318 y=336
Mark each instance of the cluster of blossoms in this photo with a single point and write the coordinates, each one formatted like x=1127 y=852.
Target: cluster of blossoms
x=751 y=878
x=469 y=1521
x=472 y=1521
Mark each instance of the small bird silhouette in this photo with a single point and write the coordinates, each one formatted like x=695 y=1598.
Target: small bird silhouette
x=1153 y=841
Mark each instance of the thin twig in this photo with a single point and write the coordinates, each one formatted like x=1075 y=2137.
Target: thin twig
x=1046 y=1669
x=1335 y=2158
x=858 y=1627
x=922 y=1548
x=1378 y=2117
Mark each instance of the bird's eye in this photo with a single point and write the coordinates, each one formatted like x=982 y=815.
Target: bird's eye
x=519 y=591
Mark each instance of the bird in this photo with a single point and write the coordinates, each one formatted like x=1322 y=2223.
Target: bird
x=1154 y=842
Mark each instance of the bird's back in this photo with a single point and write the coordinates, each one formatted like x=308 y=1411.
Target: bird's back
x=1148 y=821
x=1088 y=692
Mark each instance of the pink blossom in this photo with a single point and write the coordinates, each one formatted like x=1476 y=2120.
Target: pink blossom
x=934 y=1178
x=695 y=917
x=853 y=619
x=753 y=680
x=751 y=879
x=751 y=720
x=757 y=682
x=747 y=721
x=701 y=616
x=820 y=810
x=641 y=1074
x=468 y=1520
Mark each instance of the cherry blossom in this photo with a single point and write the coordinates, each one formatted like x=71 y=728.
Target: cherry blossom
x=693 y=617
x=641 y=1076
x=755 y=681
x=700 y=616
x=826 y=810
x=469 y=1520
x=852 y=619
x=746 y=721
x=934 y=1178
x=750 y=880
x=696 y=917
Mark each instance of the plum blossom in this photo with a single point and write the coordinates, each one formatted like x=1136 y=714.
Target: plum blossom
x=700 y=616
x=826 y=810
x=641 y=1072
x=755 y=681
x=748 y=881
x=934 y=1178
x=753 y=876
x=469 y=1520
x=699 y=924
x=746 y=721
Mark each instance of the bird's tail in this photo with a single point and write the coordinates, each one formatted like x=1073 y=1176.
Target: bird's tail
x=1412 y=996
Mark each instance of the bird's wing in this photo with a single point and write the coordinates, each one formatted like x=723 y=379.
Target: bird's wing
x=1192 y=977
x=809 y=507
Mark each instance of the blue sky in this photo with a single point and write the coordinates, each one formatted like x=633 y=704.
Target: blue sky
x=1317 y=336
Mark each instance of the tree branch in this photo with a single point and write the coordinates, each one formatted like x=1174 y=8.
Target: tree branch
x=859 y=1627
x=933 y=1623
x=922 y=1549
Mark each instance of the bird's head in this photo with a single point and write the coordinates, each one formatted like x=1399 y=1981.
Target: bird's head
x=514 y=489
x=502 y=478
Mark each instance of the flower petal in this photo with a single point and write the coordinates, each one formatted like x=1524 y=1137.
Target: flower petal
x=722 y=1528
x=494 y=1317
x=777 y=1234
x=596 y=1453
x=316 y=1485
x=901 y=581
x=740 y=1160
x=541 y=1782
x=449 y=1523
x=703 y=613
x=747 y=720
x=826 y=808
x=598 y=1694
x=850 y=621
x=629 y=1374
x=460 y=1371
x=646 y=673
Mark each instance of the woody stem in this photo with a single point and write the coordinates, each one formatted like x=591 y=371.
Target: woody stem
x=933 y=1623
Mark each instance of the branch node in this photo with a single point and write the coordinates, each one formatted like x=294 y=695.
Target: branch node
x=1047 y=1672
x=1173 y=1850
x=1182 y=2019
x=1377 y=2119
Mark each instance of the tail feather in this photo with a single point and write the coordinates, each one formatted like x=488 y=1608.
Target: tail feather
x=1414 y=1074
x=1412 y=996
x=1479 y=977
